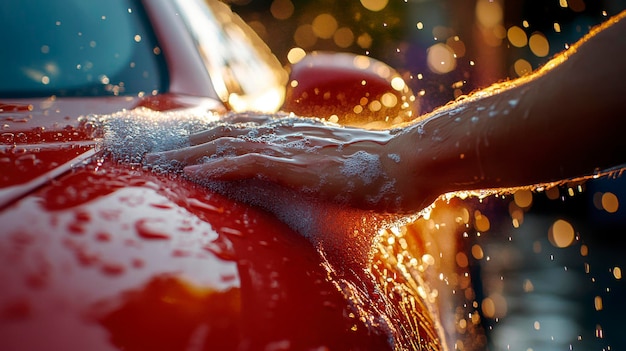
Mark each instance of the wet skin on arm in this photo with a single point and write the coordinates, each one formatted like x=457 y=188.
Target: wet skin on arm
x=560 y=122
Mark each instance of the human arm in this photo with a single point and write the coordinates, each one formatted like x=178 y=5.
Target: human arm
x=563 y=121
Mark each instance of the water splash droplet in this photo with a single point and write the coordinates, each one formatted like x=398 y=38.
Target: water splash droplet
x=204 y=206
x=231 y=231
x=112 y=268
x=103 y=237
x=151 y=228
x=222 y=248
x=7 y=138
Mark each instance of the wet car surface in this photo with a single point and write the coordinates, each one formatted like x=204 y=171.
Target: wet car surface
x=139 y=261
x=102 y=252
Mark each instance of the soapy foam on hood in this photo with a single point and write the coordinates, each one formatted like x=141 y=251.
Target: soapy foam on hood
x=130 y=134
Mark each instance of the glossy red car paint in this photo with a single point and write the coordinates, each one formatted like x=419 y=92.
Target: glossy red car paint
x=100 y=255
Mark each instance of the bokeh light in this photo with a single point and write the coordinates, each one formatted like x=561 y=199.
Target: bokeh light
x=539 y=45
x=489 y=13
x=397 y=83
x=576 y=5
x=477 y=252
x=494 y=306
x=617 y=273
x=364 y=40
x=561 y=233
x=441 y=58
x=374 y=5
x=282 y=9
x=517 y=36
x=610 y=202
x=481 y=222
x=295 y=55
x=324 y=25
x=523 y=198
x=522 y=67
x=343 y=37
x=304 y=36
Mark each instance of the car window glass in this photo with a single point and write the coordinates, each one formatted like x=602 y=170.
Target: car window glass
x=77 y=48
x=244 y=72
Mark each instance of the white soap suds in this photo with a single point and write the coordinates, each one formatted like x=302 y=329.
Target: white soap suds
x=394 y=157
x=388 y=188
x=130 y=134
x=364 y=165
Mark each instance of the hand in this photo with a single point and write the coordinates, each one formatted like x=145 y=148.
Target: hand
x=352 y=166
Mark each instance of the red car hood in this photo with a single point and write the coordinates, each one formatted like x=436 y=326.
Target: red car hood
x=111 y=257
x=43 y=138
x=99 y=255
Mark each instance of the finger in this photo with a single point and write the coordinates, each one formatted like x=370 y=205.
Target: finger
x=184 y=156
x=256 y=118
x=221 y=147
x=221 y=131
x=285 y=171
x=238 y=130
x=310 y=128
x=340 y=134
x=311 y=137
x=264 y=125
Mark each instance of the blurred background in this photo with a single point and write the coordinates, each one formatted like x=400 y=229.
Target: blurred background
x=546 y=266
x=443 y=48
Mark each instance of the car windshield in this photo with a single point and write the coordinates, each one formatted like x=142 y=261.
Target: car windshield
x=78 y=48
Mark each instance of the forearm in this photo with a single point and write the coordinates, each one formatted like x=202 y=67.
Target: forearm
x=564 y=121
